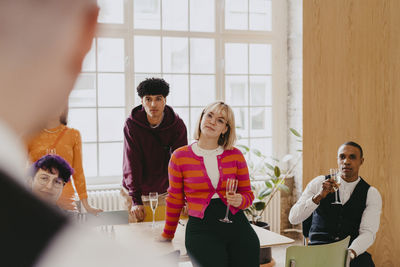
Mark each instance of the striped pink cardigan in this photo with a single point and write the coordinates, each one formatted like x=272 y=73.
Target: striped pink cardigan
x=188 y=180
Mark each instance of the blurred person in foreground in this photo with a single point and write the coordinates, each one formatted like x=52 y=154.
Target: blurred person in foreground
x=42 y=46
x=357 y=215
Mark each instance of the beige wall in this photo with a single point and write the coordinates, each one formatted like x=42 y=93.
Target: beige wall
x=351 y=83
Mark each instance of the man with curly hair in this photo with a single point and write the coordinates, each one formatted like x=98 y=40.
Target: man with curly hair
x=151 y=133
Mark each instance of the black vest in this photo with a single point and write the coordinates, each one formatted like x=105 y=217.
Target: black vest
x=27 y=225
x=332 y=222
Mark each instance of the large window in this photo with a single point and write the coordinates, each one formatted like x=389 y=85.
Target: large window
x=233 y=50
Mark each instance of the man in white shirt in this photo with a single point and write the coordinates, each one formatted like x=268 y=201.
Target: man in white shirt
x=358 y=214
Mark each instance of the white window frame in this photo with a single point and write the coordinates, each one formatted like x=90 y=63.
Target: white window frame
x=277 y=38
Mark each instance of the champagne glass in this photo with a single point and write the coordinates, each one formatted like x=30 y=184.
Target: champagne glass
x=335 y=175
x=153 y=197
x=231 y=186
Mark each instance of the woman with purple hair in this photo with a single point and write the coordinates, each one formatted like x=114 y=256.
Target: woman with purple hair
x=50 y=174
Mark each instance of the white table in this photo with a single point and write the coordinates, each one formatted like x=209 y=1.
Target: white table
x=143 y=234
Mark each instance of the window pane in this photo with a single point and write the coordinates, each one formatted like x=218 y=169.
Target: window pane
x=236 y=58
x=146 y=14
x=260 y=59
x=111 y=124
x=175 y=55
x=89 y=64
x=89 y=158
x=260 y=15
x=236 y=93
x=202 y=90
x=84 y=120
x=178 y=90
x=241 y=122
x=111 y=11
x=111 y=54
x=262 y=144
x=260 y=91
x=194 y=117
x=202 y=15
x=202 y=55
x=111 y=90
x=84 y=93
x=236 y=12
x=175 y=15
x=261 y=122
x=184 y=115
x=245 y=142
x=147 y=54
x=110 y=156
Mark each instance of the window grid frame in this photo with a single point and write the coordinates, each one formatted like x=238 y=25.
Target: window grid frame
x=221 y=36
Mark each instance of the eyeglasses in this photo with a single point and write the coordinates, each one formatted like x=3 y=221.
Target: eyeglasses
x=219 y=121
x=57 y=182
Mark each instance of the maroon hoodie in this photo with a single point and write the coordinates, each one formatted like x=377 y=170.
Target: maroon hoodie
x=147 y=152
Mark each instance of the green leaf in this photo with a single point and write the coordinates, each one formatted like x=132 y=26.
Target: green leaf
x=257 y=152
x=269 y=166
x=269 y=184
x=296 y=133
x=259 y=205
x=245 y=148
x=265 y=192
x=248 y=212
x=283 y=187
x=275 y=159
x=277 y=171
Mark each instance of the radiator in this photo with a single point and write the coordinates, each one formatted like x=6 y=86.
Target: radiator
x=272 y=215
x=111 y=199
x=106 y=199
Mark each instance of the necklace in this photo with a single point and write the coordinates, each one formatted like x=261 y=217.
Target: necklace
x=208 y=152
x=48 y=131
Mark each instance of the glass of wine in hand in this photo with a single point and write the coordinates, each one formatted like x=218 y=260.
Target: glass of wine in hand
x=231 y=186
x=335 y=175
x=153 y=198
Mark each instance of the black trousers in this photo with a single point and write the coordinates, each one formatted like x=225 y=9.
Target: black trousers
x=210 y=242
x=363 y=260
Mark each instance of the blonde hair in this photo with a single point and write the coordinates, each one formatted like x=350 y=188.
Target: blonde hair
x=228 y=139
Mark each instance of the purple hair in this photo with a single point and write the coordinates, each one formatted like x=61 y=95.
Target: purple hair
x=50 y=162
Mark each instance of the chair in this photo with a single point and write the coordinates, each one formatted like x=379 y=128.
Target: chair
x=327 y=255
x=306 y=225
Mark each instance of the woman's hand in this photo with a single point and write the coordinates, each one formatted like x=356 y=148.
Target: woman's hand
x=89 y=208
x=160 y=238
x=234 y=199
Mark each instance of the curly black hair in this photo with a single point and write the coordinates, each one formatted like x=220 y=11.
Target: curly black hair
x=153 y=86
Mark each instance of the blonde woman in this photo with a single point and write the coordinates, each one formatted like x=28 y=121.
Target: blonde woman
x=198 y=173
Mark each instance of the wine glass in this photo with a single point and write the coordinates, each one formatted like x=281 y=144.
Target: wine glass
x=335 y=175
x=153 y=197
x=231 y=186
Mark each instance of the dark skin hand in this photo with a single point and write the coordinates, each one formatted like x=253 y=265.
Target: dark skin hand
x=328 y=186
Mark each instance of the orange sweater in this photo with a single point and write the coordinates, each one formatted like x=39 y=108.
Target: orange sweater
x=70 y=148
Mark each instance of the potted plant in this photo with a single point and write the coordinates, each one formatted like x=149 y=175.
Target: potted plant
x=267 y=170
